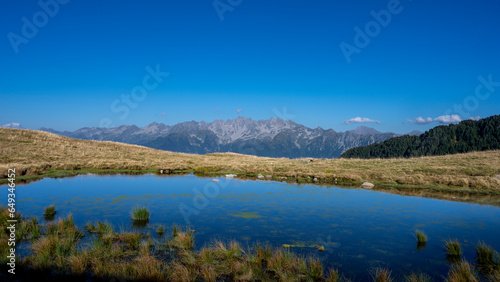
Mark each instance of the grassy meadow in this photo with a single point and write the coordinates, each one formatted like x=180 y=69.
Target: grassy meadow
x=38 y=154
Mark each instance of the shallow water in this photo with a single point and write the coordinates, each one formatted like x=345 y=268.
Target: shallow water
x=360 y=229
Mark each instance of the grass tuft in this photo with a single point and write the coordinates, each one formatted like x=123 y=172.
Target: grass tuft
x=462 y=272
x=175 y=230
x=140 y=214
x=421 y=236
x=453 y=248
x=420 y=277
x=333 y=275
x=160 y=230
x=49 y=213
x=381 y=275
x=487 y=259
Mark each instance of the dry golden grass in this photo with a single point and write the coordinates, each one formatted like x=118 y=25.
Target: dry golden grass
x=37 y=152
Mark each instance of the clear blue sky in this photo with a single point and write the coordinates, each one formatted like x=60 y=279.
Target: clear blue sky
x=263 y=56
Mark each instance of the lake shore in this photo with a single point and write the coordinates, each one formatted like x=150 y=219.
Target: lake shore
x=38 y=154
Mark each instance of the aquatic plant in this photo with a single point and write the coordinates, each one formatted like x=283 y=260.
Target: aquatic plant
x=49 y=213
x=453 y=248
x=487 y=259
x=421 y=236
x=381 y=275
x=175 y=230
x=160 y=230
x=140 y=214
x=420 y=277
x=314 y=269
x=462 y=272
x=184 y=240
x=333 y=275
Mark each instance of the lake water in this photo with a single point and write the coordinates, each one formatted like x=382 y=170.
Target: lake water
x=359 y=229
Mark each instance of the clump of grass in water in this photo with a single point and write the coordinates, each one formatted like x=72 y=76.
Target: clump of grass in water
x=140 y=214
x=487 y=259
x=315 y=270
x=175 y=230
x=99 y=227
x=420 y=277
x=381 y=275
x=333 y=275
x=453 y=248
x=160 y=230
x=184 y=240
x=421 y=236
x=49 y=213
x=462 y=271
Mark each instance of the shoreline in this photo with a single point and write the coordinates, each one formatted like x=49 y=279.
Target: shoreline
x=37 y=155
x=455 y=194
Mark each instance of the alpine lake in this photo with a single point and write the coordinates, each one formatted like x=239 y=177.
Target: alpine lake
x=359 y=229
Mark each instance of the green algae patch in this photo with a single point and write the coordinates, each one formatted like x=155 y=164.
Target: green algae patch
x=180 y=195
x=247 y=215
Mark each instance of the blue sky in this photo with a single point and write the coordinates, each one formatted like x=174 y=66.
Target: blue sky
x=72 y=63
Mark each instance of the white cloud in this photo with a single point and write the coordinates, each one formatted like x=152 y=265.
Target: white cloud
x=475 y=118
x=163 y=114
x=239 y=110
x=420 y=120
x=360 y=120
x=447 y=119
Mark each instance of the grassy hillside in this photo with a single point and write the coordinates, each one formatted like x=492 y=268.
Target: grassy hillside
x=37 y=154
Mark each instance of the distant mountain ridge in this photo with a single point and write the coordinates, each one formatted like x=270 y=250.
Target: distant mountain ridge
x=274 y=137
x=467 y=136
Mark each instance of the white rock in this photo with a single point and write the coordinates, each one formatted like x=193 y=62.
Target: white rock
x=367 y=185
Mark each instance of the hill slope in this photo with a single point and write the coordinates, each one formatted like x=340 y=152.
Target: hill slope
x=467 y=136
x=38 y=153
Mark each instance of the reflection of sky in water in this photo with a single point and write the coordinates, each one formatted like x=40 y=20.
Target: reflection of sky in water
x=360 y=229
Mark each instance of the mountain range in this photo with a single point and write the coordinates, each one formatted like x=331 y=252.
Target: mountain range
x=274 y=137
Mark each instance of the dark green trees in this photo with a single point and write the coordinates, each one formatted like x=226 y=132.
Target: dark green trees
x=467 y=136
